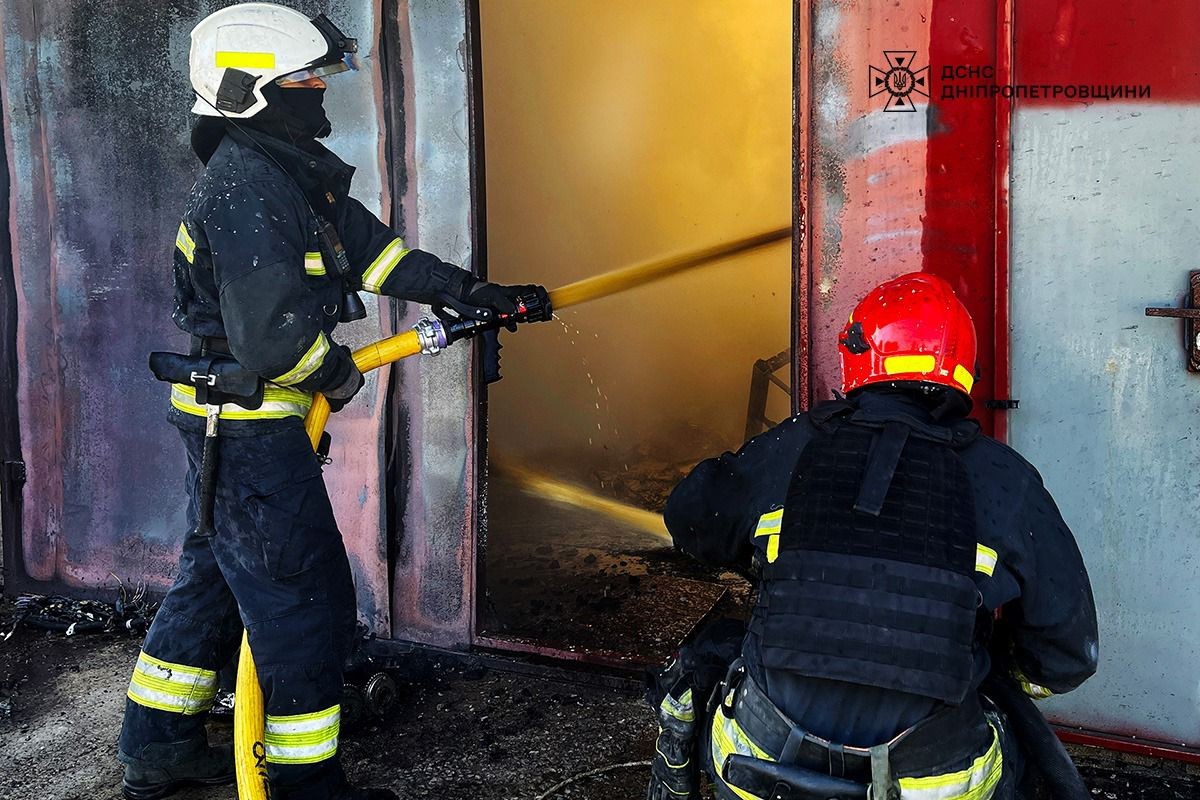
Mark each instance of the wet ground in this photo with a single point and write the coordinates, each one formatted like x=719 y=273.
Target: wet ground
x=571 y=579
x=460 y=731
x=456 y=732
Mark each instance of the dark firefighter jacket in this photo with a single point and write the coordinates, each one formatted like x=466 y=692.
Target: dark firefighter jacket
x=1047 y=633
x=249 y=265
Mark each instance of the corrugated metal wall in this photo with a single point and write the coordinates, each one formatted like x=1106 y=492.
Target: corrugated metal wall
x=96 y=103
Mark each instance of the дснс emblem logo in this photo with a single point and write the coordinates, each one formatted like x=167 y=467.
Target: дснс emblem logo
x=899 y=80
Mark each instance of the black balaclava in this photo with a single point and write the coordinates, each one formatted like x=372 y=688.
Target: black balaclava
x=306 y=106
x=295 y=116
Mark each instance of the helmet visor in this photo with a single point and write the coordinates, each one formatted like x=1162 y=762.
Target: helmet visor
x=340 y=57
x=348 y=63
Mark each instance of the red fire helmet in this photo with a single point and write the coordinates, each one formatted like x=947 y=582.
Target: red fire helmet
x=911 y=328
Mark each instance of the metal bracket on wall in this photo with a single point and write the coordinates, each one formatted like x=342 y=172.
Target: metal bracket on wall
x=1189 y=312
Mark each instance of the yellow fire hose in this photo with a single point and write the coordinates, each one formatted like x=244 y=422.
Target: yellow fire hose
x=249 y=748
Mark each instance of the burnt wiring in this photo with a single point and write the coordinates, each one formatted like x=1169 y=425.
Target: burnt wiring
x=131 y=613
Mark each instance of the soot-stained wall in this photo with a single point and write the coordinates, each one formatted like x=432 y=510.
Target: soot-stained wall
x=96 y=113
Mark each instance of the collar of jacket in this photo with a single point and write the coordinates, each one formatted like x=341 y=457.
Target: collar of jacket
x=875 y=409
x=314 y=168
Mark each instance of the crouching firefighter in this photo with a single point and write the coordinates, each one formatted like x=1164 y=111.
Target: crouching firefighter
x=886 y=532
x=269 y=257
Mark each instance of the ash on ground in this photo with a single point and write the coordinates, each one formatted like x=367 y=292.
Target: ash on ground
x=459 y=731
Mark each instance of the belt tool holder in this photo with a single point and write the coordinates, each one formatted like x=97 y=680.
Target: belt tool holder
x=217 y=380
x=205 y=383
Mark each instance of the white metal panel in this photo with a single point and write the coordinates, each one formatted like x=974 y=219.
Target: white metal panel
x=1105 y=223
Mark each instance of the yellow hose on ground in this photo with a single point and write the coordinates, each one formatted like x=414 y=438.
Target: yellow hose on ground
x=249 y=748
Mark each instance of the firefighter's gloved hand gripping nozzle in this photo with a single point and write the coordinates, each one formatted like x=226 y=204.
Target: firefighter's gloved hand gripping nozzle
x=458 y=319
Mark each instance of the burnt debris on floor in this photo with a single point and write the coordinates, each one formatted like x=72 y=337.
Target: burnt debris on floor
x=460 y=729
x=131 y=612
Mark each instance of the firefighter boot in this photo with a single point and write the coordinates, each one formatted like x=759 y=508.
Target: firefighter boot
x=162 y=768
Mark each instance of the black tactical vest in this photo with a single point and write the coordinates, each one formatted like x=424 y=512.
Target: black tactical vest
x=872 y=579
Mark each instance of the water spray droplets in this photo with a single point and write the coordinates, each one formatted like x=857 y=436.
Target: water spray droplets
x=600 y=407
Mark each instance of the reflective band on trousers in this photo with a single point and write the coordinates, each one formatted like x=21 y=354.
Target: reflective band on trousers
x=375 y=275
x=727 y=739
x=976 y=782
x=309 y=363
x=278 y=402
x=303 y=738
x=177 y=688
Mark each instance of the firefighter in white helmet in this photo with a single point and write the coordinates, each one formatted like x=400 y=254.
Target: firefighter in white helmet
x=269 y=257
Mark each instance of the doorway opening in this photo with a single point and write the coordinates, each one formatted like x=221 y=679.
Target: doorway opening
x=617 y=132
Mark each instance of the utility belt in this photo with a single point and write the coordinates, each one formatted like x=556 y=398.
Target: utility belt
x=213 y=374
x=758 y=752
x=209 y=375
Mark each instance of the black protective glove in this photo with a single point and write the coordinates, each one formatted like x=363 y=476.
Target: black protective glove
x=503 y=299
x=351 y=381
x=674 y=772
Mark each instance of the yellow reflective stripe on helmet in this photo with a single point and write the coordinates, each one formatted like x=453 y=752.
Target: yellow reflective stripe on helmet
x=728 y=739
x=770 y=525
x=239 y=59
x=376 y=274
x=185 y=243
x=681 y=709
x=900 y=365
x=985 y=559
x=964 y=378
x=278 y=402
x=302 y=738
x=976 y=782
x=309 y=363
x=314 y=264
x=177 y=688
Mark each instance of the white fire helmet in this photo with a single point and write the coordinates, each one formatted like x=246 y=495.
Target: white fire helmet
x=240 y=49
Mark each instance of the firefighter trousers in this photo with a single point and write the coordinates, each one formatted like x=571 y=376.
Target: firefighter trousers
x=275 y=564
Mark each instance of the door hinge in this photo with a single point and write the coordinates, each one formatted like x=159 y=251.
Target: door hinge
x=1001 y=405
